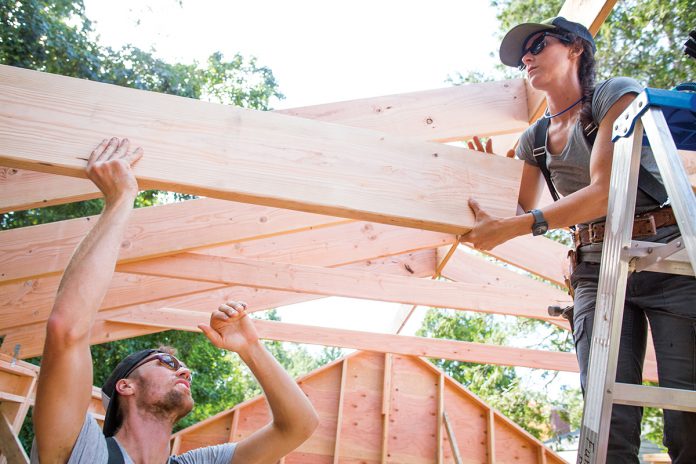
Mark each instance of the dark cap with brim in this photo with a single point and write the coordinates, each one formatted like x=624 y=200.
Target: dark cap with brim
x=513 y=43
x=112 y=419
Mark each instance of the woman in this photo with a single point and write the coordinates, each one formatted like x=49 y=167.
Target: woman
x=558 y=56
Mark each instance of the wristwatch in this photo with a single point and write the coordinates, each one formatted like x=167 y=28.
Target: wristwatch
x=540 y=226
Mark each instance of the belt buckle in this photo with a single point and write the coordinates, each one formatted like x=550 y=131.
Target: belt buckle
x=596 y=232
x=644 y=226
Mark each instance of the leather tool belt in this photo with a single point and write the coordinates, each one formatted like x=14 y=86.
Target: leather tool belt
x=644 y=225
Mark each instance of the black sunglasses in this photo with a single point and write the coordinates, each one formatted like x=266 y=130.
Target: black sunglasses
x=538 y=46
x=167 y=360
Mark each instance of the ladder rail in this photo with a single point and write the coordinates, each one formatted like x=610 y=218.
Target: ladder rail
x=621 y=256
x=611 y=291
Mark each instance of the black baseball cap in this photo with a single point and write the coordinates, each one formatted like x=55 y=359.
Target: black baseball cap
x=512 y=45
x=112 y=419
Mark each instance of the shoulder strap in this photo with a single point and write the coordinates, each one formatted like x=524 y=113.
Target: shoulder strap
x=646 y=180
x=115 y=454
x=539 y=153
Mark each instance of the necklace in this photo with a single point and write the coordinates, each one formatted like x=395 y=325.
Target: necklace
x=549 y=116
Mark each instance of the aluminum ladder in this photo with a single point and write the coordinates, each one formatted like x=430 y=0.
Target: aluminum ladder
x=669 y=121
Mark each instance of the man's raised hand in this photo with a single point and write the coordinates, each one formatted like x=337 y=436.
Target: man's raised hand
x=110 y=168
x=230 y=328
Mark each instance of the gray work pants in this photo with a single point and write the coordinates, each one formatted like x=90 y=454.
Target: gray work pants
x=668 y=303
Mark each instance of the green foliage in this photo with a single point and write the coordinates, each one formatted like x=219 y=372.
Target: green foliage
x=640 y=39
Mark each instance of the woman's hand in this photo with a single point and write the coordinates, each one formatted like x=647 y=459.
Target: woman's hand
x=489 y=231
x=476 y=144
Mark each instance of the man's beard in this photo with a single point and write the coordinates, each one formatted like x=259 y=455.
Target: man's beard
x=173 y=406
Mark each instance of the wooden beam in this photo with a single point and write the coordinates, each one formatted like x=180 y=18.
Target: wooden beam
x=452 y=113
x=250 y=156
x=346 y=283
x=170 y=318
x=30 y=337
x=326 y=246
x=445 y=115
x=9 y=443
x=43 y=250
x=538 y=255
x=467 y=267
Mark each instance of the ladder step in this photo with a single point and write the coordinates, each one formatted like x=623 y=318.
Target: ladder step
x=655 y=397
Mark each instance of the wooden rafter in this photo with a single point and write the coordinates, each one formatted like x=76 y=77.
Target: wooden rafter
x=169 y=318
x=348 y=283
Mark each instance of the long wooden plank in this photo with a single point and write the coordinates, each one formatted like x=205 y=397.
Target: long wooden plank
x=50 y=123
x=445 y=115
x=30 y=337
x=382 y=343
x=451 y=113
x=327 y=246
x=43 y=250
x=347 y=283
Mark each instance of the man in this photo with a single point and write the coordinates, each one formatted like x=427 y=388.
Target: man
x=149 y=391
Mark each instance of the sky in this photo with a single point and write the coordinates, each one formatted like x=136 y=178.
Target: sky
x=320 y=52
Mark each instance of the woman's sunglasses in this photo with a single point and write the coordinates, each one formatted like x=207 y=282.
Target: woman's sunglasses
x=167 y=360
x=538 y=46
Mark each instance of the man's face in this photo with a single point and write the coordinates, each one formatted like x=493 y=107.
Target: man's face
x=164 y=387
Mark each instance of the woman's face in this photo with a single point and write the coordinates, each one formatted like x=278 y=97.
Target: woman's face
x=554 y=62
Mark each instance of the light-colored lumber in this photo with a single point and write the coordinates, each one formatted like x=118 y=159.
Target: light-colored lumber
x=251 y=156
x=170 y=318
x=538 y=255
x=452 y=113
x=327 y=246
x=9 y=443
x=43 y=250
x=21 y=189
x=347 y=283
x=386 y=406
x=445 y=115
x=31 y=336
x=467 y=267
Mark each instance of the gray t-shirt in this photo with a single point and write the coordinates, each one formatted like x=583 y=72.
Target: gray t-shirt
x=570 y=169
x=90 y=448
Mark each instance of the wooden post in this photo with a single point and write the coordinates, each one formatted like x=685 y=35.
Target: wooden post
x=440 y=413
x=339 y=417
x=176 y=446
x=234 y=425
x=491 y=437
x=386 y=405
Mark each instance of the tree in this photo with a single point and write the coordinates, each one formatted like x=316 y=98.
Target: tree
x=640 y=39
x=56 y=37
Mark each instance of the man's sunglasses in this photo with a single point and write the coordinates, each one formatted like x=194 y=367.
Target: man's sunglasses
x=167 y=360
x=538 y=46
